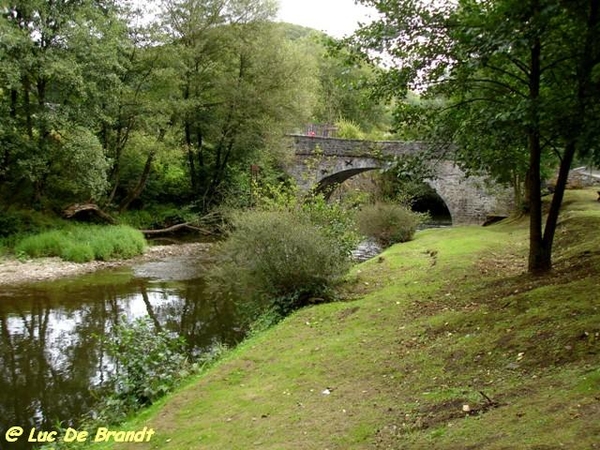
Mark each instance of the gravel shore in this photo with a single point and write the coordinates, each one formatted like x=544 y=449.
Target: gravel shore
x=14 y=271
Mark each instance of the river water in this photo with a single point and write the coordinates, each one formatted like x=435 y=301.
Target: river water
x=51 y=351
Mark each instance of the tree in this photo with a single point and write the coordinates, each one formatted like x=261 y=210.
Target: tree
x=57 y=62
x=517 y=79
x=240 y=88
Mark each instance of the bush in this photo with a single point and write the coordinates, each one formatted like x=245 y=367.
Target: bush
x=335 y=220
x=13 y=222
x=82 y=243
x=276 y=260
x=388 y=223
x=347 y=129
x=149 y=363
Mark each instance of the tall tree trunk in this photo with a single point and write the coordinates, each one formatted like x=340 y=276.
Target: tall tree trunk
x=588 y=60
x=141 y=184
x=539 y=256
x=139 y=188
x=190 y=154
x=27 y=107
x=557 y=197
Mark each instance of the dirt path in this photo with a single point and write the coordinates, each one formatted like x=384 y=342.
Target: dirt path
x=13 y=271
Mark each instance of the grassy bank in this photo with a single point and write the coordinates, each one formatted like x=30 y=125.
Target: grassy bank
x=33 y=234
x=81 y=243
x=443 y=342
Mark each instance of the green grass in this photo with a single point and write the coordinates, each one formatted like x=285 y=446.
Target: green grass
x=447 y=320
x=82 y=243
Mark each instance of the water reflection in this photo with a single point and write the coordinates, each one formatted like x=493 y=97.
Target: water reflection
x=51 y=351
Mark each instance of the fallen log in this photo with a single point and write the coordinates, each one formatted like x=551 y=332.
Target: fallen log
x=87 y=208
x=173 y=228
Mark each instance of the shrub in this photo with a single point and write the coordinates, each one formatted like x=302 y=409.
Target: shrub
x=388 y=223
x=335 y=220
x=276 y=260
x=347 y=129
x=13 y=222
x=149 y=361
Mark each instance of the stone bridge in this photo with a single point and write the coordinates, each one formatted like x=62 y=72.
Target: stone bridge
x=322 y=163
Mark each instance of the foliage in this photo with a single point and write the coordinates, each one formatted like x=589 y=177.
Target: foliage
x=277 y=259
x=58 y=66
x=404 y=180
x=388 y=223
x=157 y=216
x=148 y=364
x=82 y=243
x=345 y=89
x=79 y=167
x=510 y=83
x=335 y=220
x=347 y=129
x=16 y=221
x=242 y=85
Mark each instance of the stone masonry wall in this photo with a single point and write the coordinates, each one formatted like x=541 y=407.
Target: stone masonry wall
x=322 y=161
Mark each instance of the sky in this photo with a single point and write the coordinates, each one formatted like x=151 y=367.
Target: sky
x=335 y=17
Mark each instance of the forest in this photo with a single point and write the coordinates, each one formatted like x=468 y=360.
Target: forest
x=103 y=103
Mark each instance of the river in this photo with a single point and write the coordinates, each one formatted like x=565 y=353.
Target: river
x=51 y=352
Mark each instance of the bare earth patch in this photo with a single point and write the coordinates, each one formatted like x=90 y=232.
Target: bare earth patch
x=14 y=271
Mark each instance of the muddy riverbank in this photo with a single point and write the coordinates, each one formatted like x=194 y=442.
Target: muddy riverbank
x=14 y=271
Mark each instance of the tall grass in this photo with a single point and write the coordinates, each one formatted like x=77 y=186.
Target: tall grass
x=82 y=243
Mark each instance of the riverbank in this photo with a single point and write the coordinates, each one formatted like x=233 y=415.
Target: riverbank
x=443 y=342
x=15 y=271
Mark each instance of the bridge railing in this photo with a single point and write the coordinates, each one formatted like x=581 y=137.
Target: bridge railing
x=321 y=130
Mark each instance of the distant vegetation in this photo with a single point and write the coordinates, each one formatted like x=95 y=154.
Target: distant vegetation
x=96 y=107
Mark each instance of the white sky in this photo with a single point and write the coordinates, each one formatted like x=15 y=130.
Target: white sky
x=335 y=17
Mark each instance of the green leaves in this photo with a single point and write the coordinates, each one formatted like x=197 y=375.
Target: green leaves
x=516 y=79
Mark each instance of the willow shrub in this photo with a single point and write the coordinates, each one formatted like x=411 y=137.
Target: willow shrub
x=275 y=262
x=82 y=243
x=388 y=223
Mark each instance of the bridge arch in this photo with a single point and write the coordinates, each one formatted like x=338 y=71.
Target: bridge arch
x=321 y=162
x=329 y=183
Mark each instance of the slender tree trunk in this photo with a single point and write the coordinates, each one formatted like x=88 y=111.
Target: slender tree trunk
x=187 y=130
x=27 y=107
x=139 y=188
x=190 y=154
x=14 y=100
x=43 y=145
x=557 y=197
x=200 y=141
x=539 y=255
x=584 y=76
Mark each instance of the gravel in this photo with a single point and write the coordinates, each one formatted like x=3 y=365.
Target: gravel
x=14 y=271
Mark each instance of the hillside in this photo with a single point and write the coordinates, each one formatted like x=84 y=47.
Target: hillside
x=443 y=342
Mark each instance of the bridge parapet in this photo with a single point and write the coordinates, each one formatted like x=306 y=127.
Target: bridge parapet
x=327 y=146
